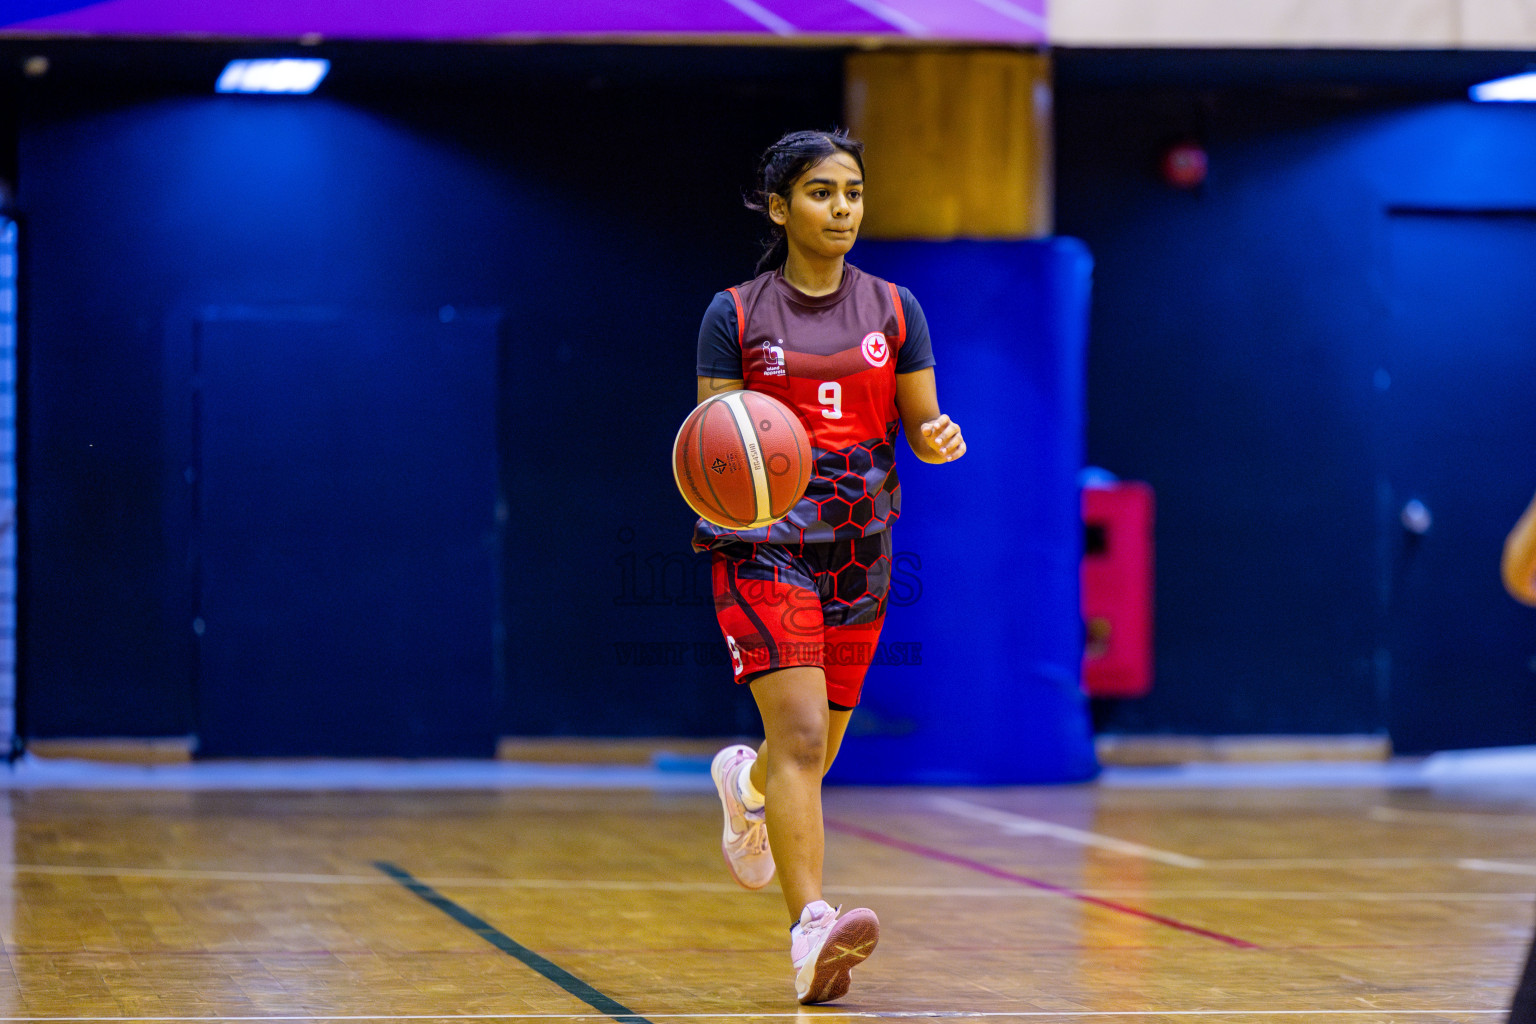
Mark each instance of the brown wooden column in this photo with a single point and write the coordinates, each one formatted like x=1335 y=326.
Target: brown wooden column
x=959 y=142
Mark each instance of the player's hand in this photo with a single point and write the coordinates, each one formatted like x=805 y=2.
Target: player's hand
x=943 y=436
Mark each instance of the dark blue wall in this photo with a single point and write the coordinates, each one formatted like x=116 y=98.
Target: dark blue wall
x=590 y=199
x=595 y=207
x=982 y=686
x=1252 y=350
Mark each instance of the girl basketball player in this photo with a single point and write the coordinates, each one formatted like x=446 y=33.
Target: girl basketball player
x=801 y=601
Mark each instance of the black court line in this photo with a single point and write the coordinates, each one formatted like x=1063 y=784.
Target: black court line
x=552 y=971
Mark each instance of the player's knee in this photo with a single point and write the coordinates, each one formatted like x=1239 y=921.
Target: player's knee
x=802 y=743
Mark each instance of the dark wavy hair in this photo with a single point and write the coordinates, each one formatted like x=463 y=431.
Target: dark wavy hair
x=782 y=164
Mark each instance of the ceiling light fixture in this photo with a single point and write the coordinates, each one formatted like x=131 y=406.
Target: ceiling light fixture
x=286 y=75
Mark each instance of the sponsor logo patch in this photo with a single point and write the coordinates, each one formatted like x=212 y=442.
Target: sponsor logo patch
x=773 y=358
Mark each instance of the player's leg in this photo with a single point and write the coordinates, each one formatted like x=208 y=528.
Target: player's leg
x=793 y=705
x=852 y=578
x=837 y=727
x=855 y=580
x=825 y=945
x=849 y=650
x=771 y=618
x=770 y=608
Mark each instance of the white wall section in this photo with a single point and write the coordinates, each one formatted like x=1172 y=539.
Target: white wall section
x=1345 y=24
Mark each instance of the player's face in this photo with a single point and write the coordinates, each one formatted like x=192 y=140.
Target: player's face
x=825 y=208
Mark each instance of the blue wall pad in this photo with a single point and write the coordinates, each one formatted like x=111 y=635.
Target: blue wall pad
x=977 y=678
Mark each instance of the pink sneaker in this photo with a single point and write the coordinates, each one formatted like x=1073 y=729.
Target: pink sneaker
x=827 y=948
x=745 y=842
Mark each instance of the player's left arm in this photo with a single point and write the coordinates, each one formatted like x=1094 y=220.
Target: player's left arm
x=933 y=436
x=1519 y=563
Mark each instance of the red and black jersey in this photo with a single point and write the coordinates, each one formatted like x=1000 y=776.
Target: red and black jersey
x=834 y=360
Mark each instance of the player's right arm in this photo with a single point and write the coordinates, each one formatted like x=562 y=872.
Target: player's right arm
x=709 y=387
x=1519 y=563
x=719 y=362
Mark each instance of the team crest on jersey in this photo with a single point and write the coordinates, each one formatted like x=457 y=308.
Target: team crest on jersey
x=773 y=358
x=875 y=348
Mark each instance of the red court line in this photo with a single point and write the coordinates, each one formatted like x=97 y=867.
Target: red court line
x=1034 y=883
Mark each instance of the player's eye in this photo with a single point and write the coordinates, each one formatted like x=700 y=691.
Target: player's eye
x=854 y=193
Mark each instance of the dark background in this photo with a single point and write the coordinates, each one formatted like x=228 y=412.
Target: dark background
x=581 y=206
x=1336 y=322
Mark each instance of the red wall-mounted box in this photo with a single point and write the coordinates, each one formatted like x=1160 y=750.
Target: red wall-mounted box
x=1117 y=573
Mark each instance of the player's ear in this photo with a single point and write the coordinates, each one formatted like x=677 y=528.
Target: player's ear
x=778 y=209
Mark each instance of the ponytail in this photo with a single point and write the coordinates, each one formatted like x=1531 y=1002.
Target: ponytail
x=775 y=252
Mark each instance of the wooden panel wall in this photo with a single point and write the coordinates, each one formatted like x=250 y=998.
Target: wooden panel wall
x=959 y=142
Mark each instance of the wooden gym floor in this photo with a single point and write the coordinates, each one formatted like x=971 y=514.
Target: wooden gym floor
x=1132 y=899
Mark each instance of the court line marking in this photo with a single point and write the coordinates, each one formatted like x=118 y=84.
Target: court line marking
x=1018 y=824
x=1521 y=821
x=643 y=886
x=213 y=875
x=829 y=1014
x=192 y=874
x=1340 y=863
x=1497 y=866
x=550 y=970
x=987 y=869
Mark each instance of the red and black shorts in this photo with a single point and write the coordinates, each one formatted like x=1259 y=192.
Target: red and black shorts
x=786 y=605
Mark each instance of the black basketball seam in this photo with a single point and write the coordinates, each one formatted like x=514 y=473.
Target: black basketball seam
x=684 y=469
x=694 y=470
x=718 y=507
x=720 y=504
x=704 y=472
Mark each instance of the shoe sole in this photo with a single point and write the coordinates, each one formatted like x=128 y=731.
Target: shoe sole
x=849 y=944
x=717 y=772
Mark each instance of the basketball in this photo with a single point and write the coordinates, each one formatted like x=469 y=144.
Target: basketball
x=742 y=459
